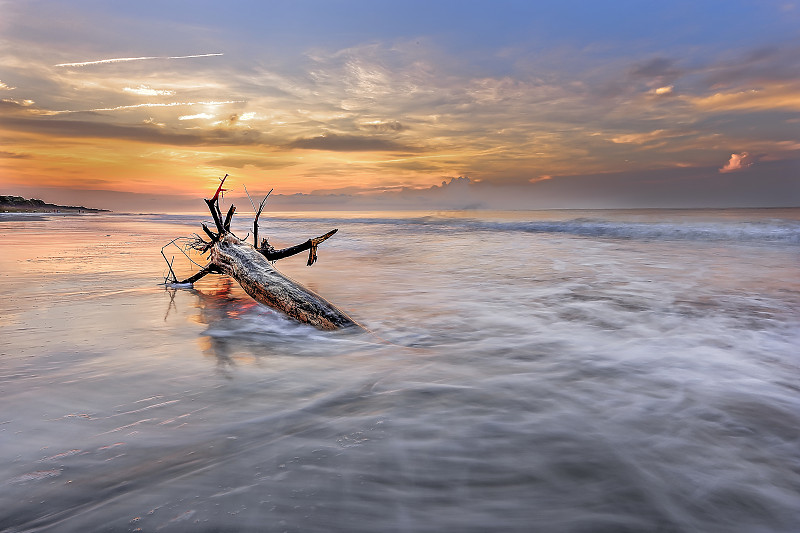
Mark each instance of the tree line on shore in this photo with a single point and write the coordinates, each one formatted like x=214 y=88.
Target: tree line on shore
x=18 y=204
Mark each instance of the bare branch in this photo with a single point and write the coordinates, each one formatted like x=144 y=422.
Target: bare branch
x=264 y=201
x=214 y=238
x=227 y=225
x=169 y=265
x=258 y=214
x=219 y=189
x=213 y=206
x=249 y=198
x=311 y=244
x=312 y=252
x=208 y=269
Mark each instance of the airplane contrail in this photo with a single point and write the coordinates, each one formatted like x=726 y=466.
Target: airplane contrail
x=136 y=106
x=123 y=59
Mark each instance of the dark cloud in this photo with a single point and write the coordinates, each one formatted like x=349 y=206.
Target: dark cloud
x=415 y=165
x=453 y=193
x=12 y=155
x=769 y=125
x=50 y=125
x=761 y=65
x=241 y=162
x=762 y=53
x=350 y=143
x=660 y=68
x=26 y=117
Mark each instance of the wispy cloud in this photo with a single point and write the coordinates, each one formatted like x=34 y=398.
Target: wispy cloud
x=638 y=138
x=144 y=90
x=125 y=59
x=150 y=104
x=4 y=87
x=194 y=117
x=657 y=67
x=382 y=127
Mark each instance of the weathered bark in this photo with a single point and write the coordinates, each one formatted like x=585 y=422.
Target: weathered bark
x=252 y=269
x=265 y=284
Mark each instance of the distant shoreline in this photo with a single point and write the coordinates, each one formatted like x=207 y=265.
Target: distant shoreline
x=18 y=204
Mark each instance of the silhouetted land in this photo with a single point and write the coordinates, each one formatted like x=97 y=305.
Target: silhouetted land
x=18 y=204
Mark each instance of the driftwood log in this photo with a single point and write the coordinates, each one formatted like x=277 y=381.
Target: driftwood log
x=250 y=266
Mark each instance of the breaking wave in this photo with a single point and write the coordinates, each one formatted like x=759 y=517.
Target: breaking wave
x=778 y=231
x=695 y=225
x=766 y=232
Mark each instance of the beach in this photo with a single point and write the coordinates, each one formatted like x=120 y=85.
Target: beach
x=557 y=371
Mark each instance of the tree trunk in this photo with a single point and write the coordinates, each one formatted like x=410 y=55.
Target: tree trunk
x=252 y=269
x=265 y=284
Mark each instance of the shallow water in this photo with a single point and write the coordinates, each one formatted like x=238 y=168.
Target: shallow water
x=527 y=371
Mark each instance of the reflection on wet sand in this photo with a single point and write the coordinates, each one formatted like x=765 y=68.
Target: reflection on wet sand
x=220 y=308
x=239 y=329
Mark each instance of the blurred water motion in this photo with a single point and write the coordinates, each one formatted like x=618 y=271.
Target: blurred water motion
x=593 y=371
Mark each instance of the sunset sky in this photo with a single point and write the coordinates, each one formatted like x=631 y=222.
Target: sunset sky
x=370 y=104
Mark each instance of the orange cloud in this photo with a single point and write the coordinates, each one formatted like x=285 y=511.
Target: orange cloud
x=773 y=97
x=738 y=162
x=637 y=138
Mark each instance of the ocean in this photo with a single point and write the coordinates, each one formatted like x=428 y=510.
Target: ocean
x=554 y=371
